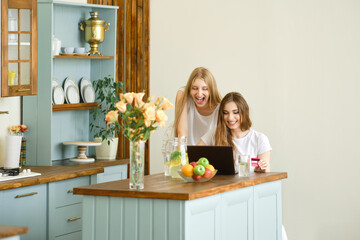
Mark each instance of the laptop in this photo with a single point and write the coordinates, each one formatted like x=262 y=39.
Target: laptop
x=221 y=157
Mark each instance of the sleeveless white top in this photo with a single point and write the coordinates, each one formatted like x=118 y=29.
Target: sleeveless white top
x=198 y=124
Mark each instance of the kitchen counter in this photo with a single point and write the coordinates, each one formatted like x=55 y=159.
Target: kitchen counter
x=161 y=187
x=61 y=170
x=224 y=207
x=10 y=231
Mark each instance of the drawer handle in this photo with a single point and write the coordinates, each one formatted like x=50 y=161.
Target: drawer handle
x=73 y=219
x=70 y=191
x=23 y=90
x=26 y=195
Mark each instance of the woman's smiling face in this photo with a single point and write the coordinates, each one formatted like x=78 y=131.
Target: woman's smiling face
x=231 y=116
x=200 y=92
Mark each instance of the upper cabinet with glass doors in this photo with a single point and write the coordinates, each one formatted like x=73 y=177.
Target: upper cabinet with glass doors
x=18 y=48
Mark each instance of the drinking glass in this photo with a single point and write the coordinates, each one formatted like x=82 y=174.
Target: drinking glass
x=166 y=151
x=244 y=165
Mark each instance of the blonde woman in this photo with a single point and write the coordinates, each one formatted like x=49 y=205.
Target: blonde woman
x=234 y=129
x=196 y=107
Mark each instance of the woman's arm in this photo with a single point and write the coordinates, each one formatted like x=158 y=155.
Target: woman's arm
x=182 y=128
x=264 y=163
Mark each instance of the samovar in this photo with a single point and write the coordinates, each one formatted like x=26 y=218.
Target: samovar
x=94 y=32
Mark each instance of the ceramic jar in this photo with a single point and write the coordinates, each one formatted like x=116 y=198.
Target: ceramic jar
x=56 y=46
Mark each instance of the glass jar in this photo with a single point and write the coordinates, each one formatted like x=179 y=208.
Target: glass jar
x=178 y=156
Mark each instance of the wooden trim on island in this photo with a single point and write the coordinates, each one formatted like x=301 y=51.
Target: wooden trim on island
x=76 y=106
x=158 y=186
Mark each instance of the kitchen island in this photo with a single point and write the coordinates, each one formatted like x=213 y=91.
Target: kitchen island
x=226 y=207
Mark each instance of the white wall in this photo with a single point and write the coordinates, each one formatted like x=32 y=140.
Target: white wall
x=297 y=63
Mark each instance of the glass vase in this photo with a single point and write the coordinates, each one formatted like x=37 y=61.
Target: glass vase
x=137 y=162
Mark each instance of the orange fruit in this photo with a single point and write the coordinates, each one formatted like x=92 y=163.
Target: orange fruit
x=187 y=170
x=211 y=167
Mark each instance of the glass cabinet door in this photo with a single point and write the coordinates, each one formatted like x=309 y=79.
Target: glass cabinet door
x=19 y=48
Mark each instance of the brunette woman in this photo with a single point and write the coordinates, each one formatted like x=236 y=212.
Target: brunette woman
x=234 y=129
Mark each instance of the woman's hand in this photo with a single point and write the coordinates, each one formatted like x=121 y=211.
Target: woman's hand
x=264 y=163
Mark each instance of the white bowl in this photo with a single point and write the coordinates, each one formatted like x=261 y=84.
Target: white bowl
x=79 y=50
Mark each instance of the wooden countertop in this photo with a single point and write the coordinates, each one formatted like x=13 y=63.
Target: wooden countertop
x=62 y=171
x=9 y=231
x=160 y=187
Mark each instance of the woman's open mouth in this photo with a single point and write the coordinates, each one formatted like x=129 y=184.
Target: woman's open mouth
x=200 y=100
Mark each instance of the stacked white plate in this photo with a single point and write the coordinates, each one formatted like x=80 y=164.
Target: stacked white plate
x=57 y=92
x=71 y=90
x=87 y=90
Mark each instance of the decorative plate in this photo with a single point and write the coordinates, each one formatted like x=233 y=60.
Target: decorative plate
x=89 y=94
x=54 y=83
x=84 y=81
x=202 y=179
x=69 y=81
x=58 y=95
x=72 y=94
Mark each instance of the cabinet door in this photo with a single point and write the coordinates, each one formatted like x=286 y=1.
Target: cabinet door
x=267 y=211
x=25 y=206
x=111 y=173
x=18 y=48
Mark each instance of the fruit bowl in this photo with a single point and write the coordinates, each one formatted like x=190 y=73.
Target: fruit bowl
x=190 y=179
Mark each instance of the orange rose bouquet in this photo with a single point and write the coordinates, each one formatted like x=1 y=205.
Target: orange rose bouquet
x=139 y=118
x=18 y=130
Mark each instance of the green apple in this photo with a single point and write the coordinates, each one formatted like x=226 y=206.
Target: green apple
x=199 y=170
x=203 y=161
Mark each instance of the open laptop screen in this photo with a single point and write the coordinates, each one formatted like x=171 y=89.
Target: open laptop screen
x=221 y=157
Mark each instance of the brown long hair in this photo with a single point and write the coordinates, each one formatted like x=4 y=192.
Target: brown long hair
x=214 y=96
x=223 y=134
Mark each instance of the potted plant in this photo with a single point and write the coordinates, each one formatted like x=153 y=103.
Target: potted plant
x=107 y=94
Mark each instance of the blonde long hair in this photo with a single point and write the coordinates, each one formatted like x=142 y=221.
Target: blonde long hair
x=214 y=96
x=223 y=135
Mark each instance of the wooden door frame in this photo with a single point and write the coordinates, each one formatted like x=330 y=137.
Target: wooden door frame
x=132 y=55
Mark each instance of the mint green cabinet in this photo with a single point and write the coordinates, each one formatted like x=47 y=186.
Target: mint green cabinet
x=51 y=210
x=65 y=208
x=25 y=206
x=51 y=125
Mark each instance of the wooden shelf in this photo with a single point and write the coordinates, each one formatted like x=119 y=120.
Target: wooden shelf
x=71 y=107
x=86 y=57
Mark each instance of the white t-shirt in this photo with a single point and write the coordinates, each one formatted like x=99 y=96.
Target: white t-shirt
x=253 y=144
x=198 y=124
